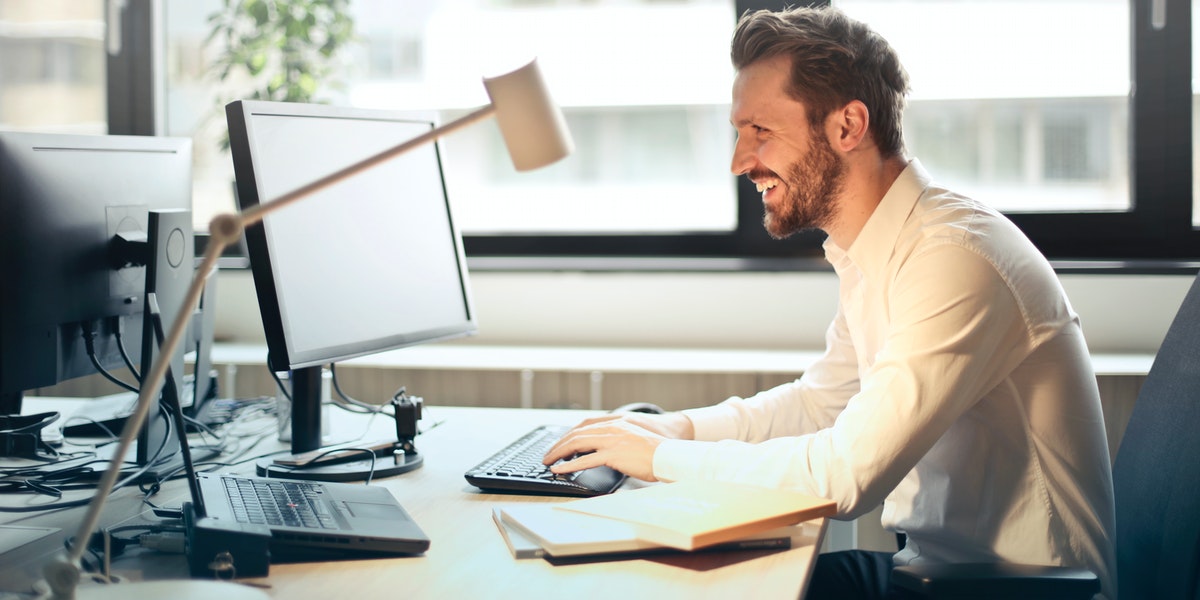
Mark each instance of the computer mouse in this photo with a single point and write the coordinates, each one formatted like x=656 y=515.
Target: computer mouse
x=642 y=407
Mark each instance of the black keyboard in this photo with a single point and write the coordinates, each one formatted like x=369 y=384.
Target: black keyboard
x=267 y=502
x=518 y=468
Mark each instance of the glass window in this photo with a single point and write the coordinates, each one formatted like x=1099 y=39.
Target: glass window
x=52 y=66
x=1062 y=113
x=1017 y=111
x=649 y=112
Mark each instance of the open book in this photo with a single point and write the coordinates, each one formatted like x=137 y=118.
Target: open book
x=693 y=514
x=539 y=530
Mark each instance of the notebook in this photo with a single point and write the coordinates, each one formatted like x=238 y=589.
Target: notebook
x=546 y=531
x=692 y=514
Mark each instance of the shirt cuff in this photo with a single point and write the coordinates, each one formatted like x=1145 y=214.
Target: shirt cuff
x=682 y=459
x=714 y=423
x=675 y=460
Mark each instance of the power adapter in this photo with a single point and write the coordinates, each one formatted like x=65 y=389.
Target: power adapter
x=222 y=550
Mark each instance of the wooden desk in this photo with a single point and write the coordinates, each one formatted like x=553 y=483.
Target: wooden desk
x=468 y=557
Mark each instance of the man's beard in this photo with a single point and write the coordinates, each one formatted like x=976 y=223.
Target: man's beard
x=813 y=185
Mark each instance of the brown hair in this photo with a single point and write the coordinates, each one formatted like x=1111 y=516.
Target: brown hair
x=835 y=59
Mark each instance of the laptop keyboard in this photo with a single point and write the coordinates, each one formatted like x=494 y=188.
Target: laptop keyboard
x=518 y=468
x=288 y=503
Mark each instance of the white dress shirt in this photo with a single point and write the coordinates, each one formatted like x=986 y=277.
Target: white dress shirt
x=956 y=389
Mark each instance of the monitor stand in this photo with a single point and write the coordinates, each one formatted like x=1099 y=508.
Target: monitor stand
x=171 y=409
x=169 y=269
x=388 y=463
x=389 y=460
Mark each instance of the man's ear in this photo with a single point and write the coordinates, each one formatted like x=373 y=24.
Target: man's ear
x=849 y=126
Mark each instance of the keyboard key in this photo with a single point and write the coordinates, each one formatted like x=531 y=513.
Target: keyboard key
x=278 y=503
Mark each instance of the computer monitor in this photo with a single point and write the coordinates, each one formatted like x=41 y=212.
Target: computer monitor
x=68 y=200
x=369 y=264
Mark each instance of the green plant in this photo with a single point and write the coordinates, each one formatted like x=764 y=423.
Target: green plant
x=283 y=50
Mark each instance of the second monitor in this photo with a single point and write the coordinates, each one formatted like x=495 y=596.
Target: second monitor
x=369 y=264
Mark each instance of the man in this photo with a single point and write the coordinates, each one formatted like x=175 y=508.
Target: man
x=956 y=386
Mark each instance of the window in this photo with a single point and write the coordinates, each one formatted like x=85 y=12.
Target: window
x=649 y=115
x=1021 y=113
x=52 y=65
x=1079 y=133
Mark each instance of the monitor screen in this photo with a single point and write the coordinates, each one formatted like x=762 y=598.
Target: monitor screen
x=371 y=263
x=64 y=198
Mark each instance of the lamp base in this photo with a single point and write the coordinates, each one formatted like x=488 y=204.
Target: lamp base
x=174 y=589
x=352 y=470
x=64 y=581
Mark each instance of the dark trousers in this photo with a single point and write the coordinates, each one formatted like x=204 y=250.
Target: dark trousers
x=851 y=575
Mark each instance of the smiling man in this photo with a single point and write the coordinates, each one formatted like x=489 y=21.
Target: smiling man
x=956 y=387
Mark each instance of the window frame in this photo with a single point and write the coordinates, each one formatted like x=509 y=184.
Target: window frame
x=135 y=75
x=1158 y=227
x=1155 y=235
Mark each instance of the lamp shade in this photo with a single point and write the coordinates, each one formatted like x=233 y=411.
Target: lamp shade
x=532 y=124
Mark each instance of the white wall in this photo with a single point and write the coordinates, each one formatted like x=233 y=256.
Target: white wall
x=788 y=311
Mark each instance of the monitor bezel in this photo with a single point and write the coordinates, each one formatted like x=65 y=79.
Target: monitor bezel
x=282 y=356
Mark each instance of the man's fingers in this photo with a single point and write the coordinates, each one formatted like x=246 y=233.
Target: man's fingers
x=564 y=448
x=583 y=441
x=579 y=463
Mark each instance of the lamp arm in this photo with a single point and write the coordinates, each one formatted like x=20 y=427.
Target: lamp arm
x=62 y=576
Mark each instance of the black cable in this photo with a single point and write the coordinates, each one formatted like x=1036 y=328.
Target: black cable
x=248 y=441
x=117 y=544
x=365 y=407
x=205 y=429
x=89 y=343
x=44 y=489
x=100 y=369
x=54 y=483
x=361 y=407
x=157 y=458
x=45 y=471
x=24 y=470
x=88 y=419
x=237 y=458
x=120 y=334
x=279 y=382
x=433 y=425
x=154 y=460
x=47 y=507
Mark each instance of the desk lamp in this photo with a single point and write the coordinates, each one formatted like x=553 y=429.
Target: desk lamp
x=535 y=134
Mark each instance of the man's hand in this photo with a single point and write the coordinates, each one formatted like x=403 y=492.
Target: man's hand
x=625 y=442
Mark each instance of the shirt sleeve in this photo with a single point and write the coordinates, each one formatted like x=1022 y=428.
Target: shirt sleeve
x=953 y=331
x=806 y=405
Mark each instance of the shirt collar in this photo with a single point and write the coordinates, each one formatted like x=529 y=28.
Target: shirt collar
x=875 y=243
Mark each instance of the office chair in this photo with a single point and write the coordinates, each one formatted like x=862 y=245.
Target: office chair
x=1156 y=481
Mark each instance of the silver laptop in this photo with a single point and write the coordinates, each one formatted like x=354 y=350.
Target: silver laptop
x=308 y=520
x=312 y=520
